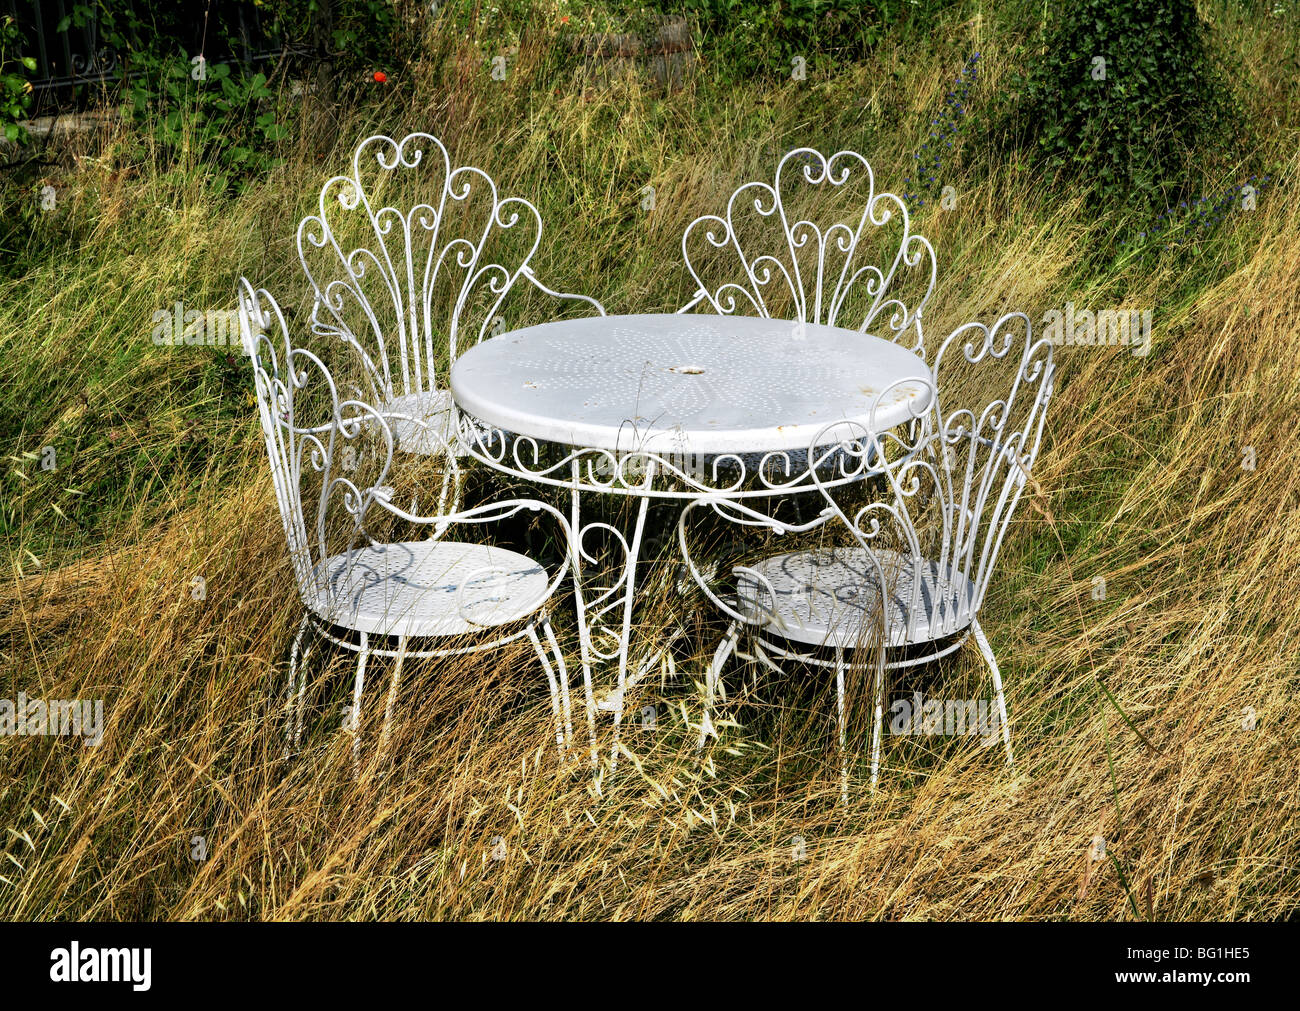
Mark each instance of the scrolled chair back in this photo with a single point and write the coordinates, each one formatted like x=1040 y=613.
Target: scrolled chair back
x=992 y=413
x=860 y=268
x=411 y=258
x=330 y=456
x=933 y=523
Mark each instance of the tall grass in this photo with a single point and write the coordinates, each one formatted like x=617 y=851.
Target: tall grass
x=1127 y=711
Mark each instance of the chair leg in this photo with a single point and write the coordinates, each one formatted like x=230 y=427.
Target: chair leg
x=302 y=697
x=392 y=697
x=564 y=681
x=290 y=737
x=987 y=650
x=839 y=699
x=352 y=714
x=879 y=719
x=711 y=678
x=555 y=690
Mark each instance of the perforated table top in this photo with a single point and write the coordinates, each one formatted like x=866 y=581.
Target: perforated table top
x=703 y=384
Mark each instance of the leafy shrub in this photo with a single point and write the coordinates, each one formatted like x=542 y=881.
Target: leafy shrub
x=1126 y=93
x=751 y=36
x=356 y=36
x=204 y=110
x=15 y=89
x=226 y=123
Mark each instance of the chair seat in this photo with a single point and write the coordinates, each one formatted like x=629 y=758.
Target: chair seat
x=427 y=423
x=832 y=598
x=414 y=588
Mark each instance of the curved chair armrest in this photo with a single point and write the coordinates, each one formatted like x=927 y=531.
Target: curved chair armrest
x=748 y=516
x=488 y=513
x=699 y=296
x=764 y=587
x=527 y=271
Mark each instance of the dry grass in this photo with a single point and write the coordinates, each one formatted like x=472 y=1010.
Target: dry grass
x=1127 y=712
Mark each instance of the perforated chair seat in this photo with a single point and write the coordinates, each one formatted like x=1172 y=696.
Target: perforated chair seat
x=424 y=423
x=428 y=588
x=832 y=598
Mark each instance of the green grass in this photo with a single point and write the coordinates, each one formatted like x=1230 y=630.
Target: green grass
x=161 y=475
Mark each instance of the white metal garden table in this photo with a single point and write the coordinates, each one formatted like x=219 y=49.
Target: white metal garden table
x=672 y=406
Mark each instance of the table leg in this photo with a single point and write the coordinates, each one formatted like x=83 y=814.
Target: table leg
x=625 y=641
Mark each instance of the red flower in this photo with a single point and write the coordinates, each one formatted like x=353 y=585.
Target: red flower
x=564 y=20
x=380 y=77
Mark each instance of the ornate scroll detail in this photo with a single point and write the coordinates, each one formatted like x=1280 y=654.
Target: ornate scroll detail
x=814 y=274
x=398 y=286
x=654 y=474
x=951 y=490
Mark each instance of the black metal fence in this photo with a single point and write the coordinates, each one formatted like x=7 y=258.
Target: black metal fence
x=69 y=56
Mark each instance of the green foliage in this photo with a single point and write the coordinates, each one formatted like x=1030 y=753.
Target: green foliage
x=15 y=89
x=210 y=116
x=355 y=35
x=750 y=37
x=200 y=116
x=365 y=32
x=1126 y=94
x=221 y=116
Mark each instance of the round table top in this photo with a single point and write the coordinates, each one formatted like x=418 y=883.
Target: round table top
x=703 y=384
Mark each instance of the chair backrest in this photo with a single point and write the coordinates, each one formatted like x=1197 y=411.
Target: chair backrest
x=399 y=285
x=330 y=457
x=994 y=386
x=861 y=268
x=952 y=482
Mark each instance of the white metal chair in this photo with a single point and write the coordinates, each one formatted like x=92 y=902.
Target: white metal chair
x=398 y=286
x=947 y=487
x=451 y=598
x=758 y=261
